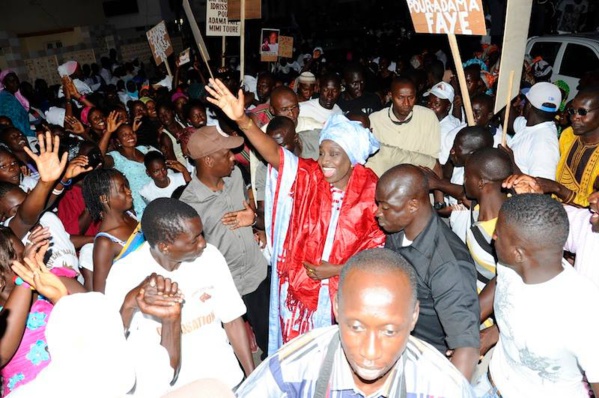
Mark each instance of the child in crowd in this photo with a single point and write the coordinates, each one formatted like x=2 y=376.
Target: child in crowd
x=164 y=179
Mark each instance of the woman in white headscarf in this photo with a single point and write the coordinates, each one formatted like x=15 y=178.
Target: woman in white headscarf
x=318 y=214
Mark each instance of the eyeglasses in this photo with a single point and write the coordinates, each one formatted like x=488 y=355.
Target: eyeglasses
x=580 y=111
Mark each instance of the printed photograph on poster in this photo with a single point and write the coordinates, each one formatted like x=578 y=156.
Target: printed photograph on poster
x=269 y=43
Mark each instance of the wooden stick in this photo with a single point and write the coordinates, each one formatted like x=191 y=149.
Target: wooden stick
x=242 y=40
x=168 y=68
x=224 y=50
x=508 y=105
x=457 y=59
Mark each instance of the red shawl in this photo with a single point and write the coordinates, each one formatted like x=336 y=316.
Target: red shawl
x=357 y=228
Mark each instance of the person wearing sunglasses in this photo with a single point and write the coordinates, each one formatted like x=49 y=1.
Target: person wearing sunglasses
x=578 y=166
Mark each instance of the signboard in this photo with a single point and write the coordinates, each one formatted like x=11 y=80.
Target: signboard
x=285 y=46
x=160 y=43
x=513 y=48
x=465 y=17
x=217 y=23
x=253 y=9
x=269 y=45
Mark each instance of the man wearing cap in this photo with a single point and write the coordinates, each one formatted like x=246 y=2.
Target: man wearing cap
x=535 y=146
x=72 y=69
x=440 y=101
x=408 y=133
x=306 y=85
x=217 y=192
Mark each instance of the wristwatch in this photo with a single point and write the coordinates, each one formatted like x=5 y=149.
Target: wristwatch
x=439 y=205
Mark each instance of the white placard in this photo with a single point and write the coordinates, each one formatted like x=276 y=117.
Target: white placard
x=217 y=23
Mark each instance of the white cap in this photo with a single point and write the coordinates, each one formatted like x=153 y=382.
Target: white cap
x=545 y=96
x=307 y=78
x=442 y=90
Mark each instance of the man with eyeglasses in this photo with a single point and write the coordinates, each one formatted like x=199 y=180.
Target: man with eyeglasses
x=578 y=166
x=408 y=133
x=535 y=148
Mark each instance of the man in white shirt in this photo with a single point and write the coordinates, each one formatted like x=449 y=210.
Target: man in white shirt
x=547 y=339
x=535 y=146
x=440 y=101
x=211 y=330
x=326 y=104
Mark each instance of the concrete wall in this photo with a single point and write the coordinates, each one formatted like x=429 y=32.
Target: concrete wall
x=20 y=16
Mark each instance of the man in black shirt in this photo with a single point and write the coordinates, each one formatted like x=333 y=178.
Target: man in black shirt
x=354 y=98
x=449 y=309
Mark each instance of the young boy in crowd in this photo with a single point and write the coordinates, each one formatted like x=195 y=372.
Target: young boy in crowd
x=164 y=179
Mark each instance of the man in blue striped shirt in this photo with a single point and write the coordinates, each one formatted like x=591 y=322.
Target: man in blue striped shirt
x=370 y=353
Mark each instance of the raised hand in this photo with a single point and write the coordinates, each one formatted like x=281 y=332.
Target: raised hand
x=77 y=166
x=74 y=125
x=113 y=122
x=136 y=123
x=240 y=218
x=40 y=278
x=38 y=242
x=222 y=97
x=49 y=165
x=175 y=165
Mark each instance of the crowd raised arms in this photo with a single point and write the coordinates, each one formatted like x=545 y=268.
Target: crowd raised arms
x=317 y=227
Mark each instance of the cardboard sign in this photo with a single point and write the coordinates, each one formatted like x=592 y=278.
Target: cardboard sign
x=160 y=42
x=515 y=35
x=184 y=57
x=462 y=17
x=285 y=46
x=217 y=23
x=253 y=9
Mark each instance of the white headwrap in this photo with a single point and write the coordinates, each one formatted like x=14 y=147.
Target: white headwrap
x=357 y=141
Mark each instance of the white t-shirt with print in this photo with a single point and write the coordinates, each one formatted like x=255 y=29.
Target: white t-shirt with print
x=150 y=191
x=548 y=335
x=210 y=298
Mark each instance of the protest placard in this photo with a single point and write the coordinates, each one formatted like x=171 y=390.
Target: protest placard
x=160 y=42
x=253 y=9
x=513 y=48
x=464 y=17
x=285 y=46
x=217 y=23
x=195 y=30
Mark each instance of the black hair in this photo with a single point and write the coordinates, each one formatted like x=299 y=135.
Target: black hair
x=153 y=156
x=536 y=218
x=403 y=80
x=437 y=70
x=6 y=187
x=278 y=123
x=162 y=221
x=476 y=137
x=353 y=67
x=380 y=261
x=96 y=184
x=194 y=103
x=7 y=252
x=330 y=77
x=491 y=164
x=484 y=99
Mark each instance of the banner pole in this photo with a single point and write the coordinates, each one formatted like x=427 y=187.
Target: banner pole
x=457 y=59
x=508 y=105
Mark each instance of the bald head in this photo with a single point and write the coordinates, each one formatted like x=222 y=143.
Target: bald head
x=284 y=102
x=469 y=140
x=406 y=180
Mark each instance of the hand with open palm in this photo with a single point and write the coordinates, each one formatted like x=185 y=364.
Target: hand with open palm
x=49 y=165
x=223 y=98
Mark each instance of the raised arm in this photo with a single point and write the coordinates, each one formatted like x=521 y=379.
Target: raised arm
x=234 y=109
x=50 y=168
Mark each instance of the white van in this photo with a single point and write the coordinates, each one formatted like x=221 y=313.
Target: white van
x=570 y=55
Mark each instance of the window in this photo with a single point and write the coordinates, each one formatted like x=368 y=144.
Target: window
x=546 y=50
x=577 y=60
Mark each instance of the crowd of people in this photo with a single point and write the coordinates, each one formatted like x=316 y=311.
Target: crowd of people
x=341 y=219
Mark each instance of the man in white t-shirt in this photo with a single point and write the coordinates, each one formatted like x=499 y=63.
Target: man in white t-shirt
x=326 y=104
x=211 y=330
x=535 y=146
x=543 y=307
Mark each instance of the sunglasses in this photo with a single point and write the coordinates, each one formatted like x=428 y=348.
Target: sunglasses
x=580 y=111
